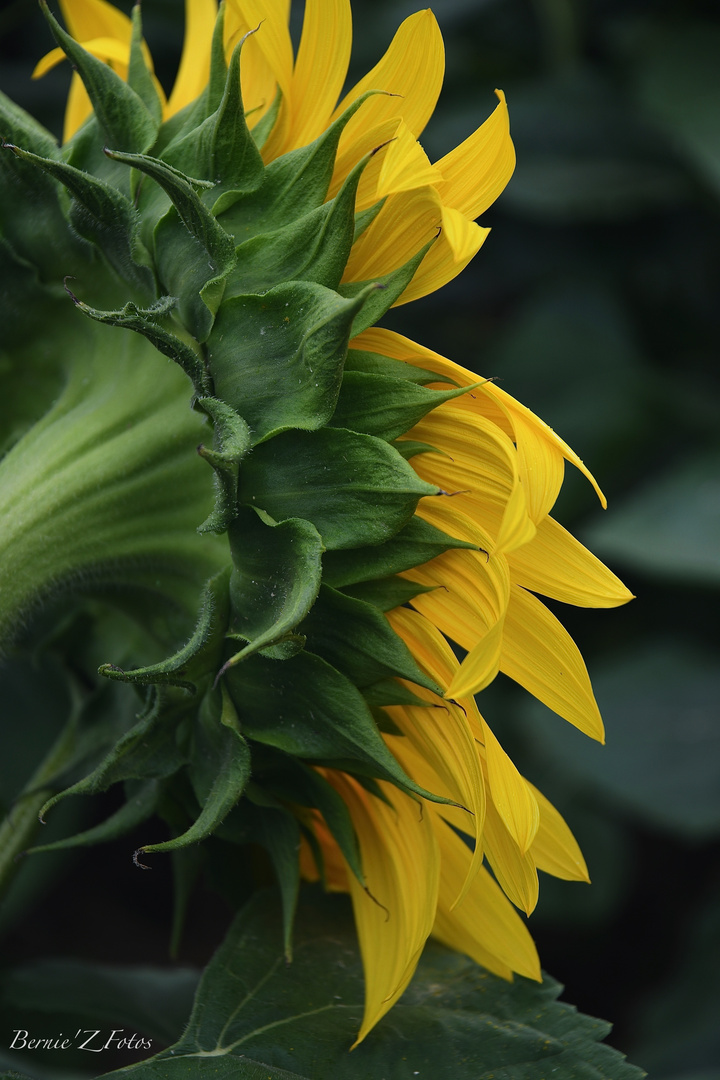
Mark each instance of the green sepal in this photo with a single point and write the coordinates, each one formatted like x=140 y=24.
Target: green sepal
x=49 y=243
x=354 y=488
x=127 y=123
x=316 y=247
x=144 y=321
x=410 y=448
x=387 y=593
x=293 y=185
x=376 y=364
x=139 y=75
x=198 y=282
x=416 y=543
x=277 y=831
x=235 y=159
x=231 y=442
x=219 y=771
x=140 y=804
x=145 y=752
x=358 y=640
x=199 y=658
x=275 y=579
x=389 y=288
x=297 y=783
x=263 y=128
x=383 y=721
x=383 y=406
x=278 y=358
x=307 y=708
x=101 y=214
x=391 y=692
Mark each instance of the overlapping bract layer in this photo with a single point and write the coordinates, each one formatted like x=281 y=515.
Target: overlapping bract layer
x=356 y=472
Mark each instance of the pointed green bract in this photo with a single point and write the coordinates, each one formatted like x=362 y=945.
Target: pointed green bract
x=234 y=271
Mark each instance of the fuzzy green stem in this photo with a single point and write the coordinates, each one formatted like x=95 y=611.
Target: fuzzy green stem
x=106 y=487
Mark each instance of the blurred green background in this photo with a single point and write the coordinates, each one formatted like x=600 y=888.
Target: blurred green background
x=595 y=302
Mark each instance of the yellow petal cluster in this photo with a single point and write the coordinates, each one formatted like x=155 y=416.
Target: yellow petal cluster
x=500 y=469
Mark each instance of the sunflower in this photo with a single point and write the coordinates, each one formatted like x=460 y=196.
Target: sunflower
x=381 y=501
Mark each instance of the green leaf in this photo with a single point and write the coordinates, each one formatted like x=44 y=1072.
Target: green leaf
x=127 y=123
x=99 y=213
x=231 y=442
x=293 y=185
x=197 y=659
x=306 y=708
x=139 y=75
x=144 y=321
x=388 y=288
x=275 y=578
x=376 y=364
x=197 y=281
x=358 y=640
x=384 y=406
x=140 y=805
x=414 y=544
x=235 y=159
x=670 y=526
x=256 y=1018
x=278 y=358
x=354 y=488
x=387 y=593
x=219 y=770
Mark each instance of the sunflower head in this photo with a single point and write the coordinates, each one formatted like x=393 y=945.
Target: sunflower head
x=376 y=501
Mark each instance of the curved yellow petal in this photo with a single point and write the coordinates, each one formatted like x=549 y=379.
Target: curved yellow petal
x=78 y=108
x=459 y=242
x=194 y=69
x=539 y=654
x=394 y=917
x=320 y=68
x=514 y=870
x=87 y=19
x=485 y=926
x=557 y=565
x=513 y=799
x=405 y=223
x=555 y=849
x=477 y=170
x=411 y=71
x=267 y=62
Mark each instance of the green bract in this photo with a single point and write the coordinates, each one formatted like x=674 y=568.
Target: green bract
x=175 y=241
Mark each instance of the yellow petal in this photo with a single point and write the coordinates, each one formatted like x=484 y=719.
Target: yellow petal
x=405 y=223
x=78 y=108
x=194 y=68
x=514 y=870
x=320 y=68
x=485 y=926
x=477 y=170
x=516 y=409
x=555 y=849
x=87 y=19
x=47 y=63
x=539 y=654
x=401 y=865
x=513 y=799
x=411 y=70
x=405 y=165
x=482 y=462
x=458 y=243
x=557 y=565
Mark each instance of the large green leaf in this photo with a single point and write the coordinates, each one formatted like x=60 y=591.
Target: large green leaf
x=257 y=1018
